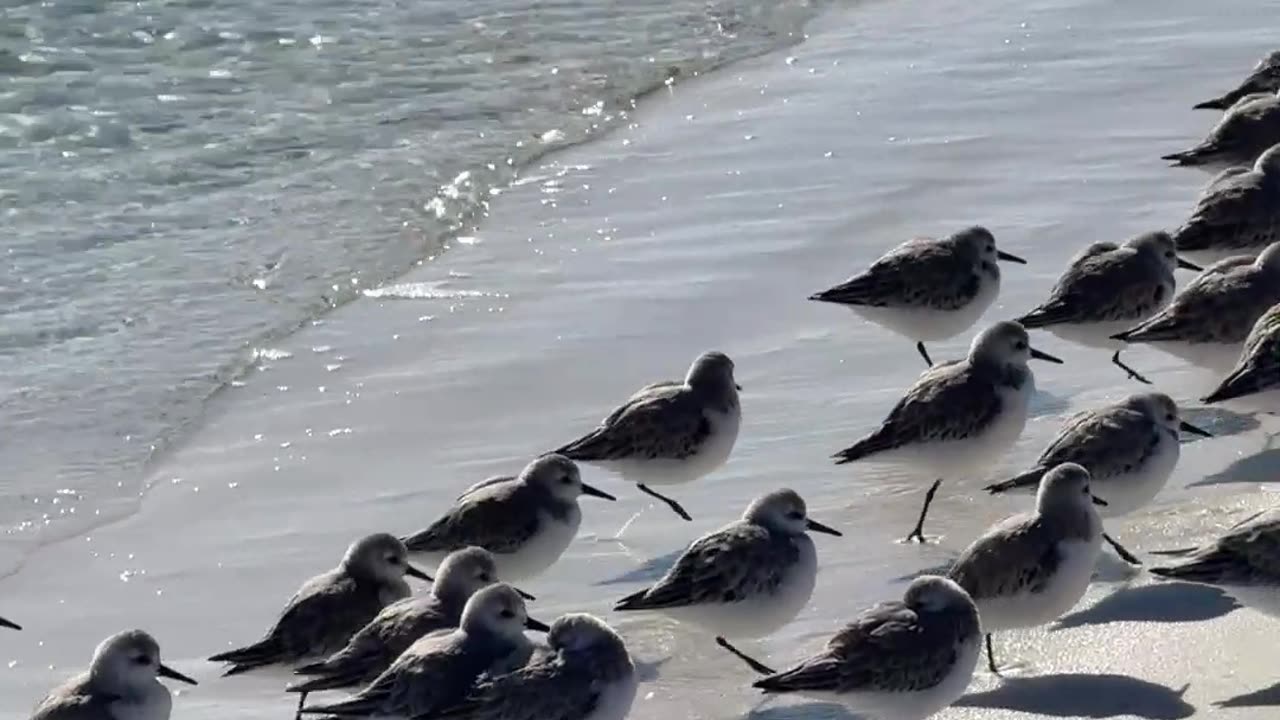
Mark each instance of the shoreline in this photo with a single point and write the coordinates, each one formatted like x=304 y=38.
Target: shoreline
x=613 y=265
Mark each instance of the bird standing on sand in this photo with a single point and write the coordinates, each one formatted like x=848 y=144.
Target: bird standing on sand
x=927 y=289
x=747 y=579
x=1247 y=129
x=960 y=416
x=526 y=522
x=331 y=607
x=897 y=660
x=436 y=671
x=372 y=650
x=1256 y=375
x=1244 y=562
x=119 y=685
x=669 y=432
x=1130 y=449
x=589 y=675
x=1209 y=320
x=1265 y=78
x=1238 y=212
x=1030 y=569
x=1109 y=288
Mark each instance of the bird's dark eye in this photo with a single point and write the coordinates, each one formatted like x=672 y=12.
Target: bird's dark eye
x=1169 y=255
x=507 y=614
x=142 y=660
x=393 y=560
x=484 y=577
x=795 y=515
x=1170 y=418
x=566 y=480
x=1019 y=345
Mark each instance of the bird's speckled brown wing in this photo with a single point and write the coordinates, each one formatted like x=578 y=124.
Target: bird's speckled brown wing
x=729 y=565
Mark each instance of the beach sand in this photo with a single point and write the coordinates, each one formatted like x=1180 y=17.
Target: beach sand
x=704 y=223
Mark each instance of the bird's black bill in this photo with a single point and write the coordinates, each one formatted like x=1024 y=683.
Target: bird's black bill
x=536 y=625
x=525 y=595
x=1040 y=355
x=168 y=672
x=1185 y=426
x=1002 y=255
x=593 y=492
x=414 y=572
x=1185 y=265
x=816 y=526
x=10 y=624
x=1098 y=501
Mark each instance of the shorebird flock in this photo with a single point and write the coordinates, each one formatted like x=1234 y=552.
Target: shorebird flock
x=460 y=651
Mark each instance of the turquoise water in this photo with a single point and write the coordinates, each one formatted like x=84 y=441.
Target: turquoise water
x=182 y=182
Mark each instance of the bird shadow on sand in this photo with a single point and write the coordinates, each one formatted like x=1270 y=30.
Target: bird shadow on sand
x=1084 y=696
x=1162 y=602
x=1261 y=467
x=803 y=711
x=649 y=571
x=1266 y=697
x=1219 y=421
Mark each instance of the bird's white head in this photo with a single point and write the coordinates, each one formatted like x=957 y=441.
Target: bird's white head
x=463 y=572
x=498 y=610
x=1269 y=258
x=1006 y=344
x=1159 y=246
x=580 y=632
x=933 y=593
x=559 y=476
x=1066 y=486
x=978 y=243
x=784 y=511
x=712 y=372
x=128 y=663
x=380 y=557
x=1163 y=411
x=1268 y=162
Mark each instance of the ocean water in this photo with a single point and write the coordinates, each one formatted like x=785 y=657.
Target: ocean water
x=703 y=221
x=182 y=183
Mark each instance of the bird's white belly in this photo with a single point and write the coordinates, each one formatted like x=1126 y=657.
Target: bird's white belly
x=615 y=700
x=1127 y=493
x=1265 y=600
x=923 y=324
x=1062 y=592
x=713 y=453
x=975 y=454
x=155 y=706
x=918 y=704
x=760 y=615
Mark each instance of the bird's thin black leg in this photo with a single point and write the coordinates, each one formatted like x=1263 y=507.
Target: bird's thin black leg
x=750 y=661
x=917 y=534
x=1130 y=371
x=675 y=506
x=991 y=658
x=924 y=353
x=302 y=700
x=1121 y=551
